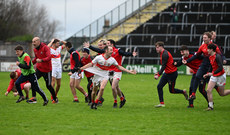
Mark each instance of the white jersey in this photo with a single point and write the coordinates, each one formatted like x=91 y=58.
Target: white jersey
x=102 y=65
x=56 y=57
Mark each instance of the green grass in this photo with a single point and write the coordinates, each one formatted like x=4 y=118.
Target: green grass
x=137 y=117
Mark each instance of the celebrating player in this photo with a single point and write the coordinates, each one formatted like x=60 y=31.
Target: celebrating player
x=55 y=50
x=169 y=76
x=28 y=74
x=194 y=66
x=218 y=75
x=75 y=78
x=102 y=64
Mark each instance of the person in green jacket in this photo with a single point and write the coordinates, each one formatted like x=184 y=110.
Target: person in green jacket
x=28 y=73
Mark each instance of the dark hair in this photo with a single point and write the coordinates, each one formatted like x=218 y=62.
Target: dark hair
x=112 y=42
x=68 y=44
x=183 y=47
x=86 y=50
x=208 y=34
x=212 y=46
x=55 y=41
x=12 y=75
x=18 y=47
x=159 y=43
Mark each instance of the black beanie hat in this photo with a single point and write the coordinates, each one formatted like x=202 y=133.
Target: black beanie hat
x=86 y=50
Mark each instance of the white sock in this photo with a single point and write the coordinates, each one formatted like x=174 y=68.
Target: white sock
x=210 y=104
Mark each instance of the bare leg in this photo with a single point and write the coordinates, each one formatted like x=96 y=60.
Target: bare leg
x=94 y=92
x=223 y=92
x=211 y=85
x=102 y=87
x=58 y=86
x=71 y=84
x=53 y=82
x=114 y=88
x=77 y=85
x=27 y=87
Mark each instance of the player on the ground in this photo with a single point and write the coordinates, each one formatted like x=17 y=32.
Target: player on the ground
x=85 y=59
x=218 y=75
x=194 y=65
x=75 y=78
x=169 y=76
x=27 y=74
x=102 y=64
x=55 y=50
x=43 y=67
x=205 y=65
x=25 y=85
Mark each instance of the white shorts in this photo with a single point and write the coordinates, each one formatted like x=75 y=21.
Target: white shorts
x=75 y=75
x=57 y=73
x=219 y=80
x=116 y=75
x=98 y=79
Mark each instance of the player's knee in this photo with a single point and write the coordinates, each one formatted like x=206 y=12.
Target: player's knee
x=102 y=88
x=58 y=85
x=171 y=91
x=114 y=88
x=77 y=86
x=71 y=84
x=221 y=94
x=209 y=91
x=159 y=87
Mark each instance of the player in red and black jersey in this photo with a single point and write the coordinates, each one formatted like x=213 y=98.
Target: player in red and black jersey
x=205 y=65
x=218 y=75
x=85 y=59
x=169 y=76
x=194 y=65
x=75 y=76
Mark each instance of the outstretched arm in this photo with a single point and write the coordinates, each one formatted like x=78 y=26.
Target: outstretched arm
x=86 y=66
x=126 y=70
x=123 y=53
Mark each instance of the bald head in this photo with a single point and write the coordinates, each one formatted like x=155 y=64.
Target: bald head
x=36 y=42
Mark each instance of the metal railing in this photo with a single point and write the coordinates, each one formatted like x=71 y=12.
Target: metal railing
x=192 y=27
x=152 y=47
x=112 y=19
x=177 y=40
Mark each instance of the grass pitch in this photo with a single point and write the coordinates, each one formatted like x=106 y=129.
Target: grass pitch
x=137 y=117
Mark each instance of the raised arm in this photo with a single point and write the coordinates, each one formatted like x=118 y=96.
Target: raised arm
x=50 y=43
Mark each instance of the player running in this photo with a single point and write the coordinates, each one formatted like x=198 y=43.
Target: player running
x=27 y=74
x=194 y=66
x=115 y=74
x=169 y=76
x=218 y=75
x=75 y=78
x=102 y=64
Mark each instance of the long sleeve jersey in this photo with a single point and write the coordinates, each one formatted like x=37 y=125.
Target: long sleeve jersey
x=167 y=63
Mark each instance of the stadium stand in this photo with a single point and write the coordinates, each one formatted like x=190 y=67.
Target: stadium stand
x=138 y=24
